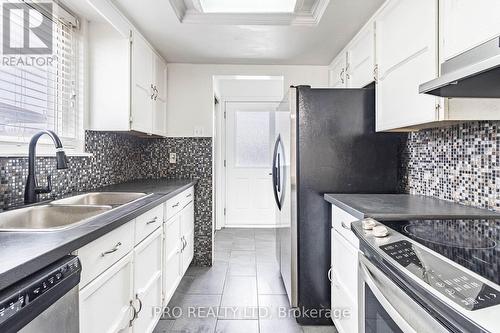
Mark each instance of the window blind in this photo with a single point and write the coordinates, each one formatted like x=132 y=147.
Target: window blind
x=40 y=91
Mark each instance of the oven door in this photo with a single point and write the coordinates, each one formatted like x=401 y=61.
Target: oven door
x=386 y=308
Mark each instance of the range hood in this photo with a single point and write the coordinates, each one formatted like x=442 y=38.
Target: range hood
x=472 y=74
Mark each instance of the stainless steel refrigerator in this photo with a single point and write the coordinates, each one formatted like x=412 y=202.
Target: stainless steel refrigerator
x=326 y=143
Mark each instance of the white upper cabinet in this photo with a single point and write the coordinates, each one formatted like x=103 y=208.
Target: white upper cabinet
x=336 y=73
x=142 y=86
x=160 y=98
x=361 y=58
x=128 y=81
x=406 y=54
x=466 y=24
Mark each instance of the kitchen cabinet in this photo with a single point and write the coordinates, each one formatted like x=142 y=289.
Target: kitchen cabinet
x=336 y=72
x=187 y=221
x=465 y=24
x=105 y=304
x=172 y=247
x=127 y=78
x=344 y=283
x=148 y=282
x=344 y=270
x=179 y=241
x=406 y=55
x=361 y=58
x=354 y=66
x=160 y=99
x=141 y=118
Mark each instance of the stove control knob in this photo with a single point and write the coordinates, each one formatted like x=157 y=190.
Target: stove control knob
x=380 y=231
x=368 y=224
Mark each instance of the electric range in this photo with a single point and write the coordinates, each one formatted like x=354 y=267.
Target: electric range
x=449 y=269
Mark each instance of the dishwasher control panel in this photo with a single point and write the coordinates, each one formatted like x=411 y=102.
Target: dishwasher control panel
x=26 y=292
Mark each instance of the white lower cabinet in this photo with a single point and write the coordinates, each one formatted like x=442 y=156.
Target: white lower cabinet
x=344 y=278
x=187 y=222
x=172 y=247
x=126 y=284
x=178 y=247
x=148 y=282
x=105 y=302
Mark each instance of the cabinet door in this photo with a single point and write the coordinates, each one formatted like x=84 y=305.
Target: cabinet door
x=336 y=73
x=361 y=58
x=172 y=246
x=142 y=82
x=187 y=218
x=406 y=53
x=148 y=282
x=466 y=24
x=344 y=292
x=105 y=302
x=160 y=99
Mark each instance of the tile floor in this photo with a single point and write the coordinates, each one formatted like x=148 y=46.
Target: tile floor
x=228 y=297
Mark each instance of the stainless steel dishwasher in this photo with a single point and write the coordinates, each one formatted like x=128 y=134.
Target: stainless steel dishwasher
x=44 y=302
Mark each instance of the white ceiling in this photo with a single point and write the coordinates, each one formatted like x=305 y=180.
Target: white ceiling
x=245 y=44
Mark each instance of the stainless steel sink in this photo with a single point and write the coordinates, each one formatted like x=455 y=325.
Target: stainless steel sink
x=48 y=217
x=100 y=198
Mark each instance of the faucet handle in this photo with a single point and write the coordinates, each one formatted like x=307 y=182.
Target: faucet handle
x=48 y=189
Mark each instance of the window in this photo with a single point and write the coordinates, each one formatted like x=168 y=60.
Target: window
x=253 y=139
x=39 y=75
x=248 y=6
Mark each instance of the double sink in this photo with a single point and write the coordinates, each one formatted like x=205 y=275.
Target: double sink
x=64 y=213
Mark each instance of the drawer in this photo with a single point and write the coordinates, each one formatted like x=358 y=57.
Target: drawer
x=100 y=254
x=147 y=223
x=341 y=221
x=181 y=200
x=173 y=206
x=187 y=196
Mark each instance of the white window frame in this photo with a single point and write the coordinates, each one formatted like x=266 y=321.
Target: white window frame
x=18 y=147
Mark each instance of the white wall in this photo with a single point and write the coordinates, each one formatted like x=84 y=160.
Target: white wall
x=190 y=90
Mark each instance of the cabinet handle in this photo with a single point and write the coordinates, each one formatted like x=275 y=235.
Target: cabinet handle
x=140 y=304
x=176 y=205
x=342 y=75
x=189 y=195
x=375 y=73
x=117 y=246
x=153 y=220
x=345 y=226
x=134 y=314
x=330 y=274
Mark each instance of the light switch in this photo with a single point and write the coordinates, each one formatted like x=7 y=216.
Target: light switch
x=198 y=131
x=173 y=158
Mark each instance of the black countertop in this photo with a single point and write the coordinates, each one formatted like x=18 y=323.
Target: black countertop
x=387 y=207
x=23 y=253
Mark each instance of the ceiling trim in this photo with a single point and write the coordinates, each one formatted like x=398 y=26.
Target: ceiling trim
x=191 y=13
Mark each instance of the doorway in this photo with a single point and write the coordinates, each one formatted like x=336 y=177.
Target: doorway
x=250 y=135
x=245 y=136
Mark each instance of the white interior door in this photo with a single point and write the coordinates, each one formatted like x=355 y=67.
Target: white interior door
x=250 y=136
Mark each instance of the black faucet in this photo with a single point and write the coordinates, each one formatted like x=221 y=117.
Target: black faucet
x=32 y=190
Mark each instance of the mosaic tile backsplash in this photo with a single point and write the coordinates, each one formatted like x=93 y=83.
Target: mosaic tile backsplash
x=118 y=158
x=460 y=163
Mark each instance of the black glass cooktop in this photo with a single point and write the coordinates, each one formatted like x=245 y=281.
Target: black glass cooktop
x=473 y=244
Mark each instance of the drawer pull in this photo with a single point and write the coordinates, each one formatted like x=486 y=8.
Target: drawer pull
x=154 y=220
x=117 y=246
x=189 y=195
x=345 y=226
x=330 y=274
x=176 y=205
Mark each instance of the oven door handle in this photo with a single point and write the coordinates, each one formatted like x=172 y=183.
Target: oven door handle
x=388 y=293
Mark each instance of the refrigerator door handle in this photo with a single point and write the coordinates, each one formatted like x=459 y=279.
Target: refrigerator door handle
x=276 y=173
